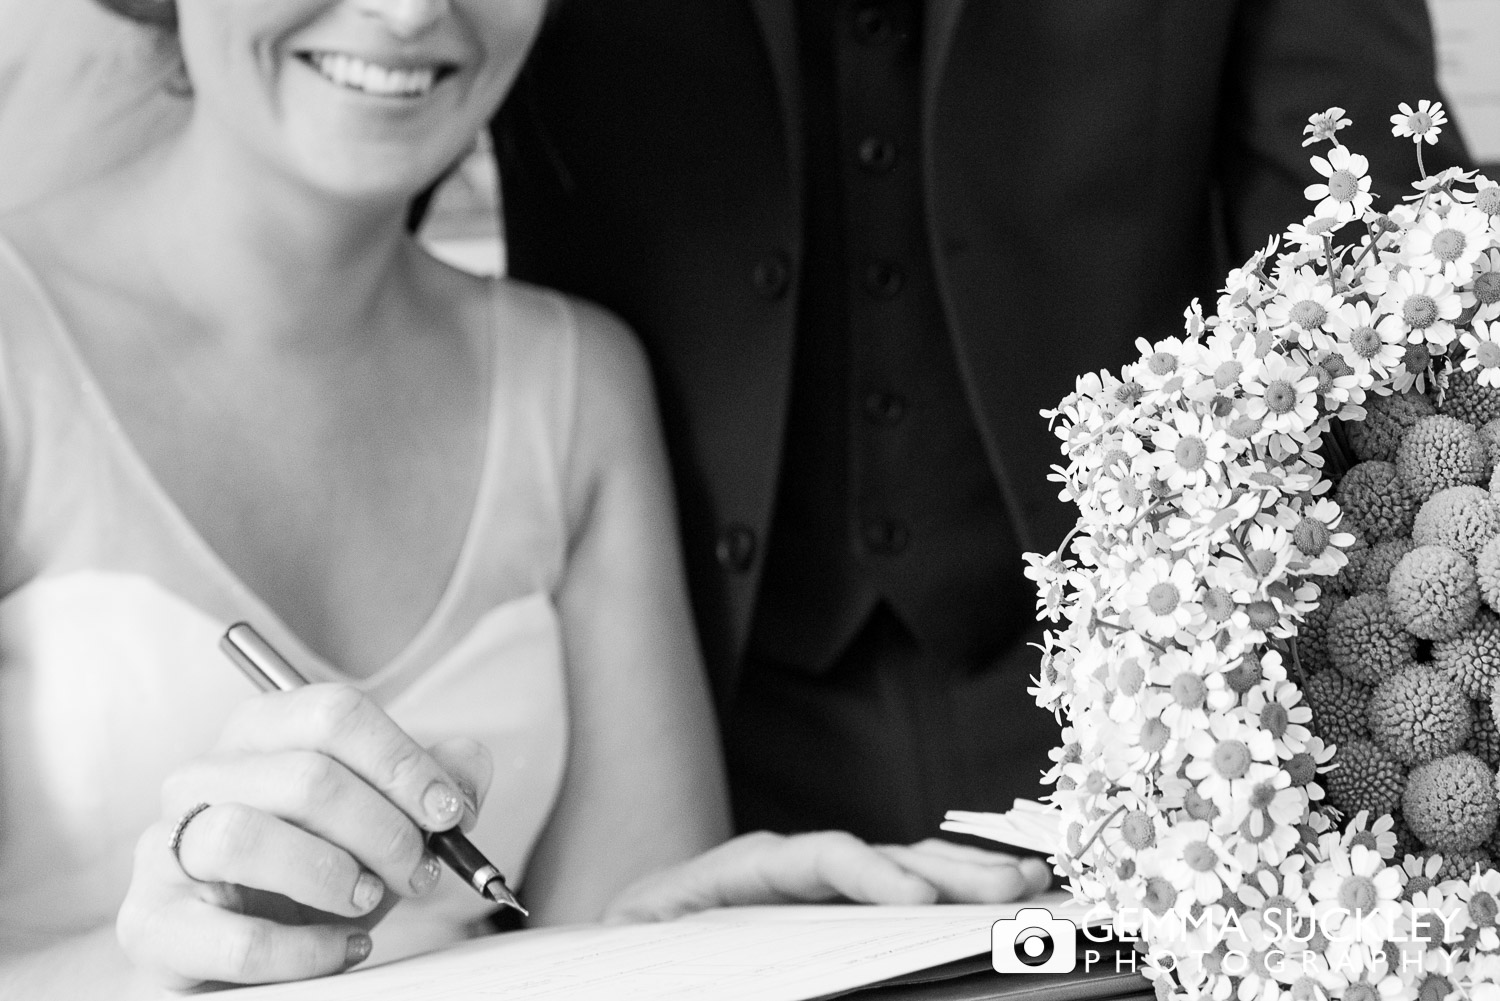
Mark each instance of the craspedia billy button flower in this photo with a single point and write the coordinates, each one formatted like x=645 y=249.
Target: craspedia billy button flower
x=1312 y=637
x=1375 y=570
x=1460 y=864
x=1469 y=400
x=1463 y=518
x=1376 y=504
x=1419 y=715
x=1484 y=738
x=1472 y=658
x=1346 y=581
x=1450 y=803
x=1365 y=642
x=1364 y=777
x=1433 y=592
x=1441 y=452
x=1339 y=706
x=1487 y=570
x=1489 y=433
x=1387 y=419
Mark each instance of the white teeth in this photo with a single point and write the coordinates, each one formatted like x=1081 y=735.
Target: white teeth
x=356 y=74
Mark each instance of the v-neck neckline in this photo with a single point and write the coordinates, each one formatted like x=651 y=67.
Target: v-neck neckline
x=256 y=608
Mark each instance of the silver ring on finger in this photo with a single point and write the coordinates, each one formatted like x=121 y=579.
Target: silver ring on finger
x=175 y=841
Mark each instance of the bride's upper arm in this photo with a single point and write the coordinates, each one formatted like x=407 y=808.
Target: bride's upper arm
x=644 y=784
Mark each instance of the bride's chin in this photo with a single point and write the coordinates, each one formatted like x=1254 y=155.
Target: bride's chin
x=392 y=178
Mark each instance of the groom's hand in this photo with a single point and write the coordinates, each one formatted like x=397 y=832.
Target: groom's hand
x=965 y=875
x=765 y=868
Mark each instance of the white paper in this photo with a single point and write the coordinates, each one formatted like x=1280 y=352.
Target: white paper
x=789 y=953
x=1031 y=825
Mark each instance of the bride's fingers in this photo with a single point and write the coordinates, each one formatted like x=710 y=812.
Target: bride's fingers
x=469 y=764
x=187 y=932
x=192 y=941
x=315 y=793
x=967 y=881
x=233 y=843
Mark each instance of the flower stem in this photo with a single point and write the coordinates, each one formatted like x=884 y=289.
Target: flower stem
x=1100 y=830
x=1106 y=624
x=1239 y=544
x=1297 y=663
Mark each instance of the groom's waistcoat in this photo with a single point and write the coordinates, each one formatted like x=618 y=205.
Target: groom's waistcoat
x=885 y=494
x=1084 y=164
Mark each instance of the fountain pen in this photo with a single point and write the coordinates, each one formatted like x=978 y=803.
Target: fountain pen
x=271 y=672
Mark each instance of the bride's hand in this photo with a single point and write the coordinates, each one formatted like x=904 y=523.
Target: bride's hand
x=764 y=868
x=320 y=808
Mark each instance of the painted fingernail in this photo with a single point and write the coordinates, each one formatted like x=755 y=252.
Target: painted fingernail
x=426 y=876
x=368 y=890
x=471 y=800
x=442 y=803
x=358 y=949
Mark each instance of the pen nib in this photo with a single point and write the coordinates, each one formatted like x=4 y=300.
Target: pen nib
x=497 y=891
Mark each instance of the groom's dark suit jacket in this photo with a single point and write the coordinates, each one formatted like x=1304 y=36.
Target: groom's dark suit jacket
x=1090 y=166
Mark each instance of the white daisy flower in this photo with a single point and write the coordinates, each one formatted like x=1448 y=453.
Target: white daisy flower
x=1324 y=125
x=1190 y=450
x=1283 y=395
x=1162 y=597
x=1370 y=342
x=1449 y=245
x=1483 y=293
x=1422 y=125
x=1345 y=193
x=1426 y=306
x=1482 y=352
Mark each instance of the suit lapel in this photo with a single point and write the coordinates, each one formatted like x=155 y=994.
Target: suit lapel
x=937 y=39
x=778 y=23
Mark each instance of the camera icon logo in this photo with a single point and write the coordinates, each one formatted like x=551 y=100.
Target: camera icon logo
x=1034 y=942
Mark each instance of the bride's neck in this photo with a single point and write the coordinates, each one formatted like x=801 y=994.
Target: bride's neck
x=257 y=253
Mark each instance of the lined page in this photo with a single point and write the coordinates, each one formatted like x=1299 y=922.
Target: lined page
x=789 y=953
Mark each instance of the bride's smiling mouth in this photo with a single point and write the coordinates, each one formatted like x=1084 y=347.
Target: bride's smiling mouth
x=376 y=79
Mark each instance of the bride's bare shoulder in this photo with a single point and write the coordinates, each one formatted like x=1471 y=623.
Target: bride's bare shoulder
x=57 y=236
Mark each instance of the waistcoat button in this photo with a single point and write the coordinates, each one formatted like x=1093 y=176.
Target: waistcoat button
x=770 y=276
x=735 y=549
x=886 y=536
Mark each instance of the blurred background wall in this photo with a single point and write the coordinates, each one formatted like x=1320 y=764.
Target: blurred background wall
x=1468 y=37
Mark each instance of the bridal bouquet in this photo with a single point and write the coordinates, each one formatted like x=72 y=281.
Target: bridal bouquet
x=1278 y=641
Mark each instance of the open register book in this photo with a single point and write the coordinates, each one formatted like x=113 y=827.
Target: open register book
x=790 y=953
